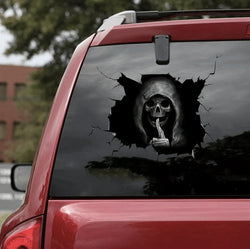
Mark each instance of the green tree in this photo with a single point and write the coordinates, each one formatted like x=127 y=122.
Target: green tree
x=34 y=108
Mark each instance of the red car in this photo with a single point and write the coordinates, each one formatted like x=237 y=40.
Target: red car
x=147 y=143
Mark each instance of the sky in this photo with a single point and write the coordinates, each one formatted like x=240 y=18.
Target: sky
x=5 y=38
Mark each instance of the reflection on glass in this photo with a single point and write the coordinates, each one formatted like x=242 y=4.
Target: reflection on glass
x=220 y=168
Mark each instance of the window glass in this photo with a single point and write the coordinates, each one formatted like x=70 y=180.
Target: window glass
x=2 y=130
x=16 y=132
x=19 y=87
x=3 y=91
x=138 y=129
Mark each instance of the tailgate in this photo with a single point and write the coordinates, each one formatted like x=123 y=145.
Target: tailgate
x=154 y=224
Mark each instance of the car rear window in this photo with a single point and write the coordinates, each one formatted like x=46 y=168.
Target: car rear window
x=135 y=128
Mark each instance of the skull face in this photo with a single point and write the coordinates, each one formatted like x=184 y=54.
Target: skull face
x=158 y=107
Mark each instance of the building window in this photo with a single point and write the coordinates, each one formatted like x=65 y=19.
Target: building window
x=2 y=130
x=18 y=90
x=3 y=91
x=16 y=126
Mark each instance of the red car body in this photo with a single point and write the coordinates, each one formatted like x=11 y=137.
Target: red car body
x=126 y=223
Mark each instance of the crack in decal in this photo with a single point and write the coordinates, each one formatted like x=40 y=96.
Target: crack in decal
x=160 y=111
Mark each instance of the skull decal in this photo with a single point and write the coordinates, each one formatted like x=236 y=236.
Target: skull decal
x=160 y=111
x=158 y=107
x=158 y=114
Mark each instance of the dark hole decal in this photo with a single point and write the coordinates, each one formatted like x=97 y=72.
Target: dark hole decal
x=159 y=111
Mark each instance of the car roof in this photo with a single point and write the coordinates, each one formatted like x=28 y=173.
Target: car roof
x=120 y=29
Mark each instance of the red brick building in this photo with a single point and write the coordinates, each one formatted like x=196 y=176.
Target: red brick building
x=12 y=80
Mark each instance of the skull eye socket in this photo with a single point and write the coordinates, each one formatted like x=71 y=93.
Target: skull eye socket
x=165 y=103
x=150 y=103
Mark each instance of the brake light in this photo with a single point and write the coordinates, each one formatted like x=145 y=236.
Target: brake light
x=25 y=236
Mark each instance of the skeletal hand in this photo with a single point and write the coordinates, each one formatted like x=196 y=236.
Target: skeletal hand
x=159 y=129
x=162 y=141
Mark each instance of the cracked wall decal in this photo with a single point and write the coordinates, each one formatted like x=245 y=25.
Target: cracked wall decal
x=159 y=111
